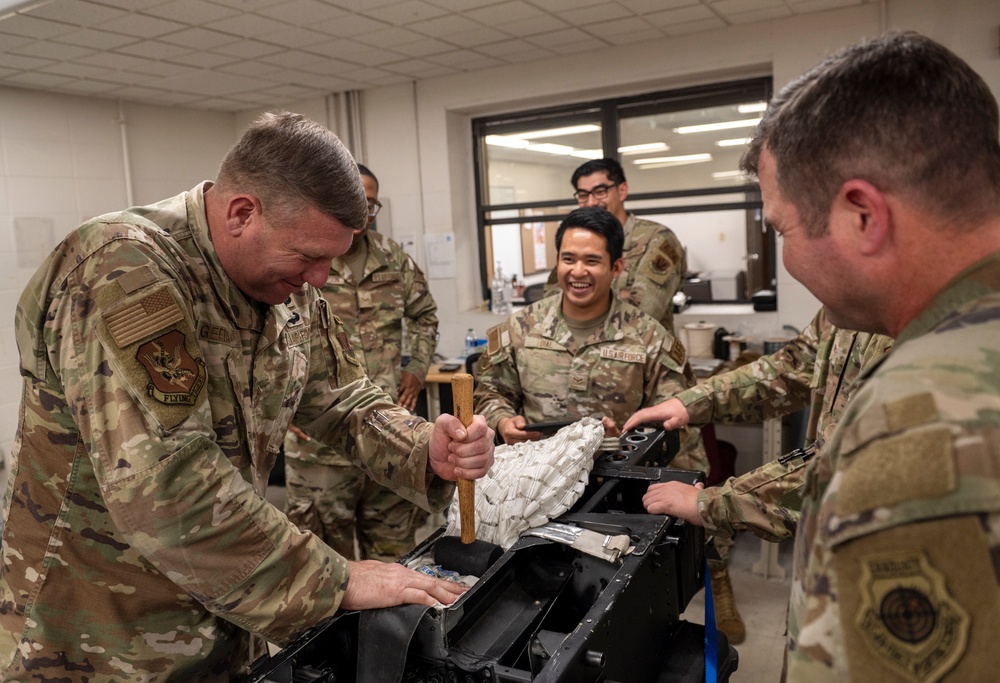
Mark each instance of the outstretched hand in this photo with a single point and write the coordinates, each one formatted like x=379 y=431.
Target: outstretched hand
x=671 y=413
x=379 y=584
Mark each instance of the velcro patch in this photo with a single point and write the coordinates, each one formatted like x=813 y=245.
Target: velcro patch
x=677 y=352
x=909 y=618
x=136 y=279
x=611 y=353
x=890 y=471
x=345 y=346
x=497 y=337
x=541 y=343
x=175 y=377
x=389 y=276
x=141 y=318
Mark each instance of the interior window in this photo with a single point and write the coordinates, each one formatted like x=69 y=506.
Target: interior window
x=680 y=150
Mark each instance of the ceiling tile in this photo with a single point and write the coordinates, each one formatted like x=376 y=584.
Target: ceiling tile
x=477 y=37
x=681 y=15
x=37 y=79
x=442 y=27
x=199 y=38
x=422 y=48
x=249 y=67
x=564 y=5
x=248 y=49
x=22 y=63
x=647 y=6
x=465 y=60
x=497 y=14
x=302 y=12
x=94 y=38
x=153 y=49
x=405 y=13
x=684 y=28
x=563 y=37
x=350 y=25
x=532 y=26
x=389 y=36
x=762 y=14
x=141 y=26
x=84 y=87
x=246 y=25
x=515 y=51
x=634 y=37
x=51 y=50
x=202 y=60
x=462 y=5
x=76 y=12
x=620 y=27
x=595 y=13
x=578 y=47
x=195 y=12
x=30 y=27
x=293 y=36
x=76 y=70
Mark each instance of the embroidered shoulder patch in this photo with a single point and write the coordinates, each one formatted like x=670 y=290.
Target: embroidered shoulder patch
x=175 y=377
x=139 y=319
x=677 y=352
x=908 y=617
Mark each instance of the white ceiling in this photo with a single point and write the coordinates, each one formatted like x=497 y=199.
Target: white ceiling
x=234 y=55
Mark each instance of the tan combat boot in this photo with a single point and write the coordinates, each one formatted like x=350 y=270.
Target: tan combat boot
x=727 y=617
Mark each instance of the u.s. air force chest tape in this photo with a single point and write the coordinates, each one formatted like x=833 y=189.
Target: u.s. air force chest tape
x=151 y=343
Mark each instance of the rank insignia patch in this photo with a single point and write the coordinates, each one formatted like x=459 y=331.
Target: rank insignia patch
x=908 y=617
x=175 y=377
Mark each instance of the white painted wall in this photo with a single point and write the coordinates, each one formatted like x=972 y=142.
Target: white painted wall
x=62 y=156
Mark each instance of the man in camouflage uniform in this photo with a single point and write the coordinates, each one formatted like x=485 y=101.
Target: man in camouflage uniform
x=655 y=261
x=880 y=169
x=164 y=350
x=582 y=352
x=817 y=369
x=377 y=291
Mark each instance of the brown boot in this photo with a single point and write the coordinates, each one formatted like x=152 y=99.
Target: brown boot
x=727 y=617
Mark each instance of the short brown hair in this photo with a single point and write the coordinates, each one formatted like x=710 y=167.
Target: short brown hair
x=902 y=112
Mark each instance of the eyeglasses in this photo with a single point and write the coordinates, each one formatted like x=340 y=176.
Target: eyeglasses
x=598 y=191
x=374 y=206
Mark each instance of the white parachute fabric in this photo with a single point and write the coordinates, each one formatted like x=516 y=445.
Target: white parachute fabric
x=532 y=482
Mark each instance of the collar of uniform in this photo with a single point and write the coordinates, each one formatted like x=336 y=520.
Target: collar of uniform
x=978 y=280
x=376 y=259
x=244 y=313
x=554 y=325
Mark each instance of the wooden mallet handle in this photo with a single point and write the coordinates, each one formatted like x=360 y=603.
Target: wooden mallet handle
x=461 y=390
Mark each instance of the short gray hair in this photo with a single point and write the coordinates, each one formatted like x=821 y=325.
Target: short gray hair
x=289 y=162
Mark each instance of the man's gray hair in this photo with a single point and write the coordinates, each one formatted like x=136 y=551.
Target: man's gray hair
x=290 y=162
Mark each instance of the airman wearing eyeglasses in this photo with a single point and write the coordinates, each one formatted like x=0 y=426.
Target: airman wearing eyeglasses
x=655 y=261
x=379 y=294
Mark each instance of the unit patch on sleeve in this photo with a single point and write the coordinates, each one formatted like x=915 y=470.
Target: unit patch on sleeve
x=908 y=617
x=345 y=346
x=175 y=377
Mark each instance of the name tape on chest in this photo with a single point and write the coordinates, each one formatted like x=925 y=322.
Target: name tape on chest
x=390 y=276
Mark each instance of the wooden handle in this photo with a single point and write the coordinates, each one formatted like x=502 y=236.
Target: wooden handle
x=461 y=391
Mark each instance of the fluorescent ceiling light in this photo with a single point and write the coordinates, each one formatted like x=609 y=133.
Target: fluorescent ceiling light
x=726 y=175
x=733 y=142
x=553 y=132
x=646 y=147
x=550 y=148
x=682 y=159
x=752 y=108
x=506 y=141
x=724 y=125
x=588 y=153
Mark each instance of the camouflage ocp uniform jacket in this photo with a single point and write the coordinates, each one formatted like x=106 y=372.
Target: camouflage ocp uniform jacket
x=895 y=563
x=392 y=290
x=655 y=266
x=137 y=543
x=817 y=369
x=528 y=369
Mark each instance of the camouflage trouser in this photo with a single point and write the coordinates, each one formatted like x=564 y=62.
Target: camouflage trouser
x=338 y=502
